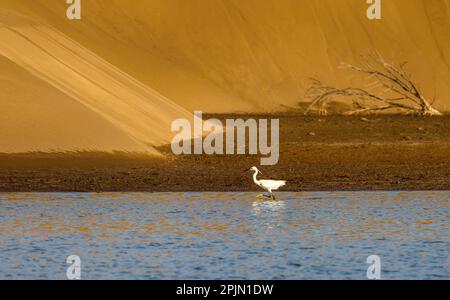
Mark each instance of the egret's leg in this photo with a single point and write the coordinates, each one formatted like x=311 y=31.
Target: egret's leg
x=272 y=197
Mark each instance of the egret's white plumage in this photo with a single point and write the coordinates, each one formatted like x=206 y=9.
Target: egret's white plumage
x=268 y=185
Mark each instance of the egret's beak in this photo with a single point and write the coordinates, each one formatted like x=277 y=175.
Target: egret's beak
x=261 y=173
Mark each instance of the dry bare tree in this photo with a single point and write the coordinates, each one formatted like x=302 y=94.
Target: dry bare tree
x=393 y=86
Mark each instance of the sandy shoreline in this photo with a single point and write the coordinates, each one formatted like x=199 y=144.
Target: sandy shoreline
x=316 y=153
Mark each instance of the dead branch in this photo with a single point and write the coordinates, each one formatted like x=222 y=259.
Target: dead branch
x=398 y=91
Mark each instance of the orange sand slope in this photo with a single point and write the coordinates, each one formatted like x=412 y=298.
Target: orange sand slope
x=73 y=85
x=91 y=84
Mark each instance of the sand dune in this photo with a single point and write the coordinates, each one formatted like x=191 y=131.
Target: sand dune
x=136 y=111
x=135 y=65
x=253 y=54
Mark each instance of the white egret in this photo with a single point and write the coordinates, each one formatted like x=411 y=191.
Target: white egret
x=268 y=185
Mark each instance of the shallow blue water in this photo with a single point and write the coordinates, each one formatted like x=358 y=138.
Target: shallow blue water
x=225 y=235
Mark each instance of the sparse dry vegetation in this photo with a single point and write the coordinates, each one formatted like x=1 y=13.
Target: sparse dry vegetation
x=391 y=88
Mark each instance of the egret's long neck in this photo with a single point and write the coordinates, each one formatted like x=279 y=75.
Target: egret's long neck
x=254 y=177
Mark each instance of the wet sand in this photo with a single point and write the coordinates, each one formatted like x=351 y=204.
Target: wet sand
x=316 y=153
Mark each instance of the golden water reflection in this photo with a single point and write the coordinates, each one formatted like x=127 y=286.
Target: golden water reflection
x=218 y=229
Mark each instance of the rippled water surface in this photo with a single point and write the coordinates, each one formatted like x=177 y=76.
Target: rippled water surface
x=225 y=235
